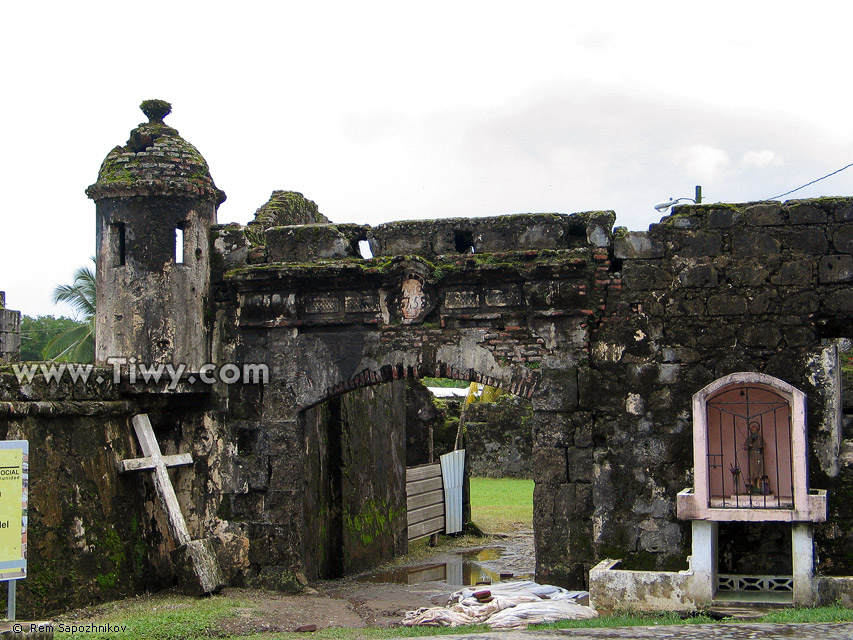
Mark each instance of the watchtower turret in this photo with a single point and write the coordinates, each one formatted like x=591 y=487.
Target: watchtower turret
x=155 y=205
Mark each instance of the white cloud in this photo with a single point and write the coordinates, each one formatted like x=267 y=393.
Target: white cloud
x=702 y=161
x=762 y=158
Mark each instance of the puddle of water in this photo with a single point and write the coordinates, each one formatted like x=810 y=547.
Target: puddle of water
x=463 y=570
x=483 y=555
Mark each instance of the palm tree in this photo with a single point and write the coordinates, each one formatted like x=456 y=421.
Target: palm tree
x=77 y=344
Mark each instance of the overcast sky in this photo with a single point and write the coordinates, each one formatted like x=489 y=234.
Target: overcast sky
x=401 y=110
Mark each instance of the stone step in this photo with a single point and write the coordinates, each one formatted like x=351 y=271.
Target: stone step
x=743 y=610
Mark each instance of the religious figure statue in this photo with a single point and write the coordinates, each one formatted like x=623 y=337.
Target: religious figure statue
x=754 y=447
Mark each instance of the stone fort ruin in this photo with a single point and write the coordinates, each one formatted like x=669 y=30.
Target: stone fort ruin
x=608 y=333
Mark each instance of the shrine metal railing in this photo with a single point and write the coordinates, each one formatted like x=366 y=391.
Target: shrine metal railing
x=750 y=461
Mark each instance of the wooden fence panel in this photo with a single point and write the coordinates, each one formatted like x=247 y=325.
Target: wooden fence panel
x=424 y=500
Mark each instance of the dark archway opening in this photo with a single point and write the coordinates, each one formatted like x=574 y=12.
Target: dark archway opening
x=358 y=447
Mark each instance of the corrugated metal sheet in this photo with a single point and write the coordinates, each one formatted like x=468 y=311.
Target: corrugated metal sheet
x=452 y=473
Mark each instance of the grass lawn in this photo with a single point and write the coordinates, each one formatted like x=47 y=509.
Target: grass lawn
x=502 y=504
x=169 y=617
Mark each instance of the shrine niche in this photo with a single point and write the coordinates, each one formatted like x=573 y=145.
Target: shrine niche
x=749 y=448
x=750 y=465
x=750 y=453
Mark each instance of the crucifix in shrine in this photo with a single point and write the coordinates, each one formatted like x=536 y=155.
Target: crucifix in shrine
x=195 y=559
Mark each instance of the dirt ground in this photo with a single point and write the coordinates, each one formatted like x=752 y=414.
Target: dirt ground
x=372 y=600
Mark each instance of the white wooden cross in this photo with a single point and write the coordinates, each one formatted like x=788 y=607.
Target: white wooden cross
x=157 y=463
x=195 y=561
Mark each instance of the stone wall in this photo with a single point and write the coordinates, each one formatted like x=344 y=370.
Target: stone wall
x=355 y=494
x=10 y=332
x=93 y=535
x=499 y=438
x=607 y=338
x=712 y=290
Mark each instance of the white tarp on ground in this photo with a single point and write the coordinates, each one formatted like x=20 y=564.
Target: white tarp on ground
x=512 y=605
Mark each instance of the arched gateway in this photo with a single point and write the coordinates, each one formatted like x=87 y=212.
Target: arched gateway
x=514 y=319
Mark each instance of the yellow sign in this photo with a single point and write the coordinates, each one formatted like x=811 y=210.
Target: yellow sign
x=11 y=488
x=14 y=489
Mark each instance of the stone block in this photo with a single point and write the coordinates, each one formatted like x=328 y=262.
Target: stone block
x=797 y=273
x=764 y=302
x=637 y=244
x=748 y=275
x=722 y=218
x=838 y=302
x=247 y=506
x=582 y=506
x=700 y=275
x=272 y=543
x=762 y=335
x=550 y=294
x=765 y=214
x=805 y=213
x=698 y=244
x=808 y=241
x=843 y=211
x=835 y=269
x=751 y=245
x=557 y=392
x=599 y=390
x=461 y=299
x=644 y=275
x=799 y=336
x=554 y=429
x=197 y=568
x=580 y=464
x=802 y=302
x=305 y=243
x=549 y=465
x=583 y=434
x=280 y=578
x=842 y=239
x=680 y=221
x=724 y=304
x=683 y=355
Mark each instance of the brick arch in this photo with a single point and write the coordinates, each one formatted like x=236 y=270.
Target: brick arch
x=521 y=382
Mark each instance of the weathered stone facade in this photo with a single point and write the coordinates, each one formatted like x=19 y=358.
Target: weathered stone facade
x=607 y=334
x=10 y=332
x=499 y=438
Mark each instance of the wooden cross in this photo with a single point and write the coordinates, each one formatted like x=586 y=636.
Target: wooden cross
x=195 y=560
x=157 y=463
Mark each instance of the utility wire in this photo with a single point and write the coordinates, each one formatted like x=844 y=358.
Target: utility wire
x=781 y=195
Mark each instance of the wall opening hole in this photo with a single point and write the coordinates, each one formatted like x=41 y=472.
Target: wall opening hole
x=364 y=249
x=577 y=236
x=464 y=241
x=117 y=244
x=179 y=244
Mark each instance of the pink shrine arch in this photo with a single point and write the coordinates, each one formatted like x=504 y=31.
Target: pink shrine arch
x=750 y=453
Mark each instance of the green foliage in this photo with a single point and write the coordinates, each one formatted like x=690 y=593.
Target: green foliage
x=38 y=332
x=174 y=617
x=502 y=504
x=833 y=613
x=444 y=383
x=114 y=563
x=76 y=344
x=161 y=618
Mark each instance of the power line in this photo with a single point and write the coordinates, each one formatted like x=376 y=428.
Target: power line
x=781 y=195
